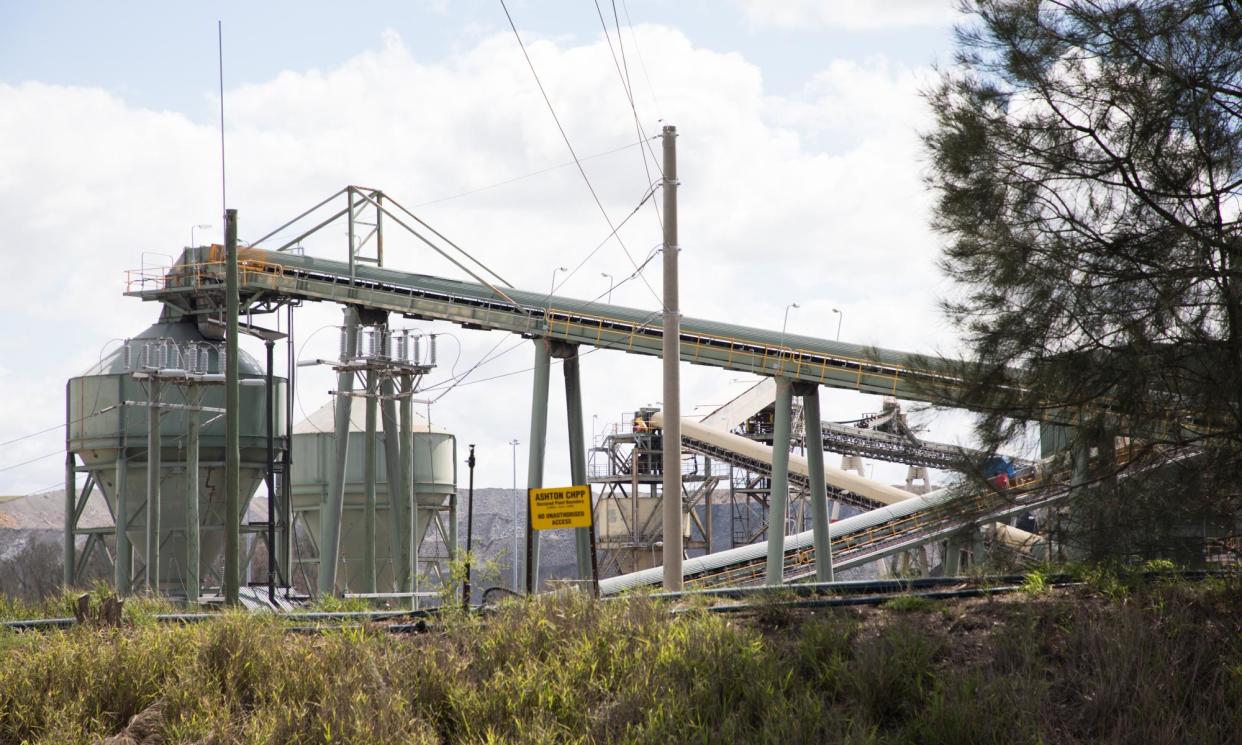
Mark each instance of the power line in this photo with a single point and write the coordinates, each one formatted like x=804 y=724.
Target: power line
x=572 y=152
x=33 y=434
x=32 y=460
x=641 y=64
x=623 y=72
x=637 y=272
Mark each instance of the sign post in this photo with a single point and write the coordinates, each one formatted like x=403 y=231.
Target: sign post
x=562 y=507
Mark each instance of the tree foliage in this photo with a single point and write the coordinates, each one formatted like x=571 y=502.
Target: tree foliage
x=1087 y=159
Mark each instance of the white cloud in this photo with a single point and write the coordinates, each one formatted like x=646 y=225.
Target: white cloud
x=814 y=198
x=850 y=15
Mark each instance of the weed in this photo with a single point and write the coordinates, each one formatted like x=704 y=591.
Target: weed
x=1035 y=583
x=908 y=603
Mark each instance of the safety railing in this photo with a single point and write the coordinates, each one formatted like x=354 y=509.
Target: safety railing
x=196 y=275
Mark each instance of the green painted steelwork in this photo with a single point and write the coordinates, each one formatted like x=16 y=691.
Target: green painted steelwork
x=268 y=275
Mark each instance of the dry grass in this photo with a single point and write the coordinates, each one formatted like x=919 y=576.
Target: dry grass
x=1161 y=664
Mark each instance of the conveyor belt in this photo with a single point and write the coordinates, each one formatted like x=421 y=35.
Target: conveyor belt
x=195 y=285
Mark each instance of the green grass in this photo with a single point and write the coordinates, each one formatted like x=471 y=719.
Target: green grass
x=908 y=603
x=1161 y=665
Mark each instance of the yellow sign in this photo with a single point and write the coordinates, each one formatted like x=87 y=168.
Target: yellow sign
x=560 y=507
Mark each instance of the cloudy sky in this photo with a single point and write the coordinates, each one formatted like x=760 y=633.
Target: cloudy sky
x=798 y=153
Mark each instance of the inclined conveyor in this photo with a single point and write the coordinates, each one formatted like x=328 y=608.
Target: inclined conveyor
x=198 y=276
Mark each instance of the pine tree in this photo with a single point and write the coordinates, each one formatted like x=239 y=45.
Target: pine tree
x=1087 y=162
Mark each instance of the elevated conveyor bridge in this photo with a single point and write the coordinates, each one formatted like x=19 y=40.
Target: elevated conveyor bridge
x=195 y=285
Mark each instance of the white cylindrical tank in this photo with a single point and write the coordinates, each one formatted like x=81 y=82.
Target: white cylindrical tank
x=314 y=455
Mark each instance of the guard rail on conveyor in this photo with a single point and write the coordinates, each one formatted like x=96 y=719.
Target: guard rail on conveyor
x=195 y=283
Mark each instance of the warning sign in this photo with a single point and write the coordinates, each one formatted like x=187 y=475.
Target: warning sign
x=560 y=507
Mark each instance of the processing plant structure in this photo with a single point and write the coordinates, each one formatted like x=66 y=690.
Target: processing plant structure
x=354 y=495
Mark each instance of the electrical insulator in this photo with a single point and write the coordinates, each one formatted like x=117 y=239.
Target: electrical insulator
x=344 y=353
x=417 y=351
x=431 y=351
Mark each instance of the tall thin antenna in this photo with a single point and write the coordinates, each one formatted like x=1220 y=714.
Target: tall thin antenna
x=224 y=200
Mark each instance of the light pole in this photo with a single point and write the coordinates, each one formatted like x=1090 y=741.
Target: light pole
x=840 y=318
x=611 y=284
x=785 y=322
x=552 y=289
x=516 y=533
x=197 y=227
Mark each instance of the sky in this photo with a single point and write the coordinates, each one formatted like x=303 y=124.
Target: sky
x=799 y=155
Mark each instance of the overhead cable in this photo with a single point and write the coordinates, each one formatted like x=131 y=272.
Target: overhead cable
x=564 y=136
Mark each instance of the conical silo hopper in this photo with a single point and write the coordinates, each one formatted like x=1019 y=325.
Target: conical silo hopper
x=108 y=428
x=314 y=459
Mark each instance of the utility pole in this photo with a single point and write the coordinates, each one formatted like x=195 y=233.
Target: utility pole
x=269 y=468
x=672 y=378
x=232 y=411
x=465 y=586
x=517 y=551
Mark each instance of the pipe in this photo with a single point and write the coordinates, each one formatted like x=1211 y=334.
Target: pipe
x=850 y=482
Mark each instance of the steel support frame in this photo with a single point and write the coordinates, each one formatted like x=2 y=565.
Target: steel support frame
x=331 y=511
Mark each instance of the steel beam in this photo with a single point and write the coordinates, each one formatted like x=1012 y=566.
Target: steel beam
x=536 y=445
x=779 y=497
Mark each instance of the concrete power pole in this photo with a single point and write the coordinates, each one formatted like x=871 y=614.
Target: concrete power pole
x=232 y=413
x=672 y=377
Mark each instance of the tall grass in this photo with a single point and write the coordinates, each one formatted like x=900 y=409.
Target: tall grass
x=1164 y=664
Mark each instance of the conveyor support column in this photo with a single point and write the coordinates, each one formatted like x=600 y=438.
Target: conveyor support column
x=395 y=481
x=815 y=478
x=368 y=483
x=330 y=515
x=577 y=453
x=780 y=482
x=534 y=463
